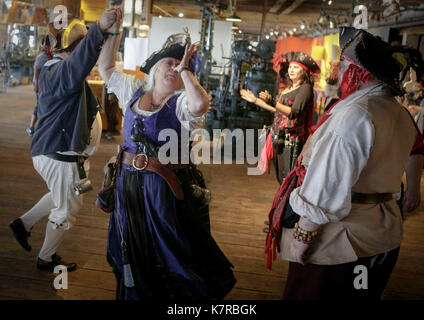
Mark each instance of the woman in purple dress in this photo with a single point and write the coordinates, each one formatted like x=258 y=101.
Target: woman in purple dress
x=159 y=241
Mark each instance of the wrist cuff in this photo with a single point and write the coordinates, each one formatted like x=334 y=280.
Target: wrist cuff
x=182 y=69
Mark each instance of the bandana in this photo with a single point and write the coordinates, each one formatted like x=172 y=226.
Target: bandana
x=352 y=78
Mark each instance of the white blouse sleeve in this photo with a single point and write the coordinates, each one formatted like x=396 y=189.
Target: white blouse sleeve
x=187 y=120
x=123 y=86
x=337 y=160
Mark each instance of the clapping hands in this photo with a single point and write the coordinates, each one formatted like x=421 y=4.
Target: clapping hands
x=265 y=96
x=248 y=96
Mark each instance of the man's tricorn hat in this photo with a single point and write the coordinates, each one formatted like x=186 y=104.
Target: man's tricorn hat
x=63 y=38
x=374 y=55
x=301 y=59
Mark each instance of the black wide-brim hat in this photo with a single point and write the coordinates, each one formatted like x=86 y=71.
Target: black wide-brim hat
x=308 y=64
x=174 y=51
x=372 y=54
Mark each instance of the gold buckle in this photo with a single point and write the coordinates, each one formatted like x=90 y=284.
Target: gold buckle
x=146 y=162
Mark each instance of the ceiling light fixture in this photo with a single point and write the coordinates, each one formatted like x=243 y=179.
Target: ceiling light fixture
x=181 y=14
x=234 y=17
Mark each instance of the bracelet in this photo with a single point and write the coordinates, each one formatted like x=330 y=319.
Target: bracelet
x=183 y=68
x=304 y=236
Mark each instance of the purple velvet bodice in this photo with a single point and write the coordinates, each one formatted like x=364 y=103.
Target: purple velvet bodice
x=150 y=126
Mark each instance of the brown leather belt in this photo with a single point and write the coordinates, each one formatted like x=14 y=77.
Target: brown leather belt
x=141 y=161
x=371 y=198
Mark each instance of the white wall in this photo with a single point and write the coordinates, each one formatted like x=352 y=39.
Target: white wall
x=161 y=28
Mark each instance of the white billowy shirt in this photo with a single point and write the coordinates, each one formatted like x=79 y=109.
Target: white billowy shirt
x=125 y=86
x=363 y=147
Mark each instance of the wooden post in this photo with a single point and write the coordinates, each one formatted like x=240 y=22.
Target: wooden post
x=264 y=10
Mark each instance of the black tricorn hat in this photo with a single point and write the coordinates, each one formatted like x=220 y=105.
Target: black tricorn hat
x=307 y=63
x=372 y=54
x=174 y=51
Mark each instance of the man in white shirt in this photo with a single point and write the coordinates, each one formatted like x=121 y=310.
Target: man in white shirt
x=354 y=163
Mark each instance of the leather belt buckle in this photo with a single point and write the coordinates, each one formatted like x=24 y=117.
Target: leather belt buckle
x=146 y=161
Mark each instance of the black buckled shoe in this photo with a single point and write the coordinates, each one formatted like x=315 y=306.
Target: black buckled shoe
x=20 y=233
x=56 y=261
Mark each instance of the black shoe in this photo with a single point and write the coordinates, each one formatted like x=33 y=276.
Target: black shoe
x=56 y=261
x=20 y=233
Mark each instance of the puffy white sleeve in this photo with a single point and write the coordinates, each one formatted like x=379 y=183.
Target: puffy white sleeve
x=336 y=162
x=183 y=114
x=123 y=86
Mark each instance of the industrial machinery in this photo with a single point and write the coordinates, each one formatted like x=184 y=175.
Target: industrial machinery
x=252 y=69
x=18 y=54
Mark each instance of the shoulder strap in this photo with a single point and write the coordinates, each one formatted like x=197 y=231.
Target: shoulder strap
x=135 y=97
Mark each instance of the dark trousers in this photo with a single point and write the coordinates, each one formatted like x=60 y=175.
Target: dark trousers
x=347 y=280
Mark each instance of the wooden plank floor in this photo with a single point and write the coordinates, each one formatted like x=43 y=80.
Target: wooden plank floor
x=239 y=207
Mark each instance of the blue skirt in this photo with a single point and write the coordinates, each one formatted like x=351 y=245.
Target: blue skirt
x=170 y=250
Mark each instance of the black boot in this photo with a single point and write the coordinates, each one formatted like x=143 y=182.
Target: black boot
x=56 y=260
x=20 y=233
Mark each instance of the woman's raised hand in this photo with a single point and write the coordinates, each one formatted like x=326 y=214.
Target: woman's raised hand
x=190 y=50
x=248 y=95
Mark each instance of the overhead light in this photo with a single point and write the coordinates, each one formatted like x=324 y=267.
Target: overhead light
x=271 y=33
x=160 y=17
x=267 y=37
x=276 y=33
x=181 y=14
x=330 y=2
x=233 y=17
x=240 y=31
x=234 y=27
x=294 y=29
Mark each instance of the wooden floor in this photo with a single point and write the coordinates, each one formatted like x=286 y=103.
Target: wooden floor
x=238 y=209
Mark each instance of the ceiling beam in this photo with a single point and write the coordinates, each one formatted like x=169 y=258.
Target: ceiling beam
x=292 y=6
x=277 y=6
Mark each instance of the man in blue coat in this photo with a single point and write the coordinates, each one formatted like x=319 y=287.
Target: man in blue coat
x=68 y=132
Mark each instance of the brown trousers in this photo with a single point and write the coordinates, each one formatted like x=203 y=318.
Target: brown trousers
x=313 y=282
